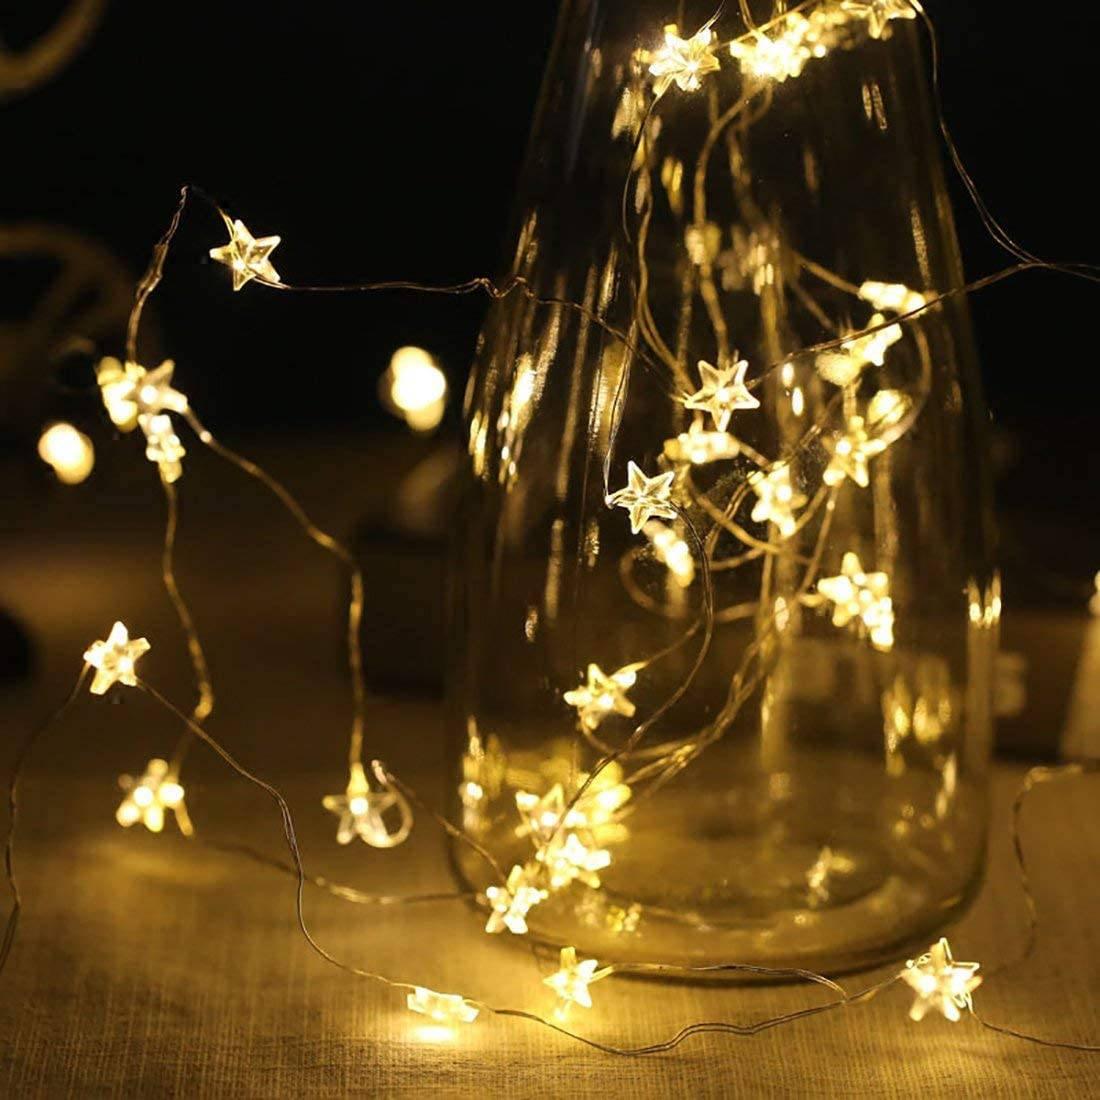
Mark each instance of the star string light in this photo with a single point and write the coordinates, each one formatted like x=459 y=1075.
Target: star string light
x=644 y=497
x=149 y=797
x=862 y=598
x=722 y=393
x=446 y=1008
x=878 y=13
x=683 y=61
x=601 y=695
x=363 y=812
x=851 y=451
x=843 y=365
x=115 y=659
x=246 y=256
x=777 y=499
x=511 y=903
x=572 y=979
x=941 y=984
x=697 y=447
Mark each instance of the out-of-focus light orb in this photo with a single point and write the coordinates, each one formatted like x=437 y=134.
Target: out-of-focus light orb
x=415 y=388
x=68 y=451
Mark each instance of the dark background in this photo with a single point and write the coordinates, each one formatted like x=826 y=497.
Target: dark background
x=383 y=141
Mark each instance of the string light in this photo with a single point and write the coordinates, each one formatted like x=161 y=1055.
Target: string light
x=862 y=598
x=683 y=61
x=644 y=497
x=878 y=13
x=843 y=365
x=572 y=979
x=246 y=256
x=363 y=811
x=147 y=799
x=895 y=297
x=777 y=499
x=851 y=451
x=722 y=393
x=672 y=551
x=415 y=386
x=69 y=451
x=512 y=902
x=697 y=446
x=601 y=695
x=447 y=1008
x=941 y=984
x=564 y=857
x=115 y=659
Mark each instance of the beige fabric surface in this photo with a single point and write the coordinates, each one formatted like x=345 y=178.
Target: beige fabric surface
x=147 y=966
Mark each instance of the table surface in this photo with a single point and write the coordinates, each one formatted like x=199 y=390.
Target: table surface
x=153 y=966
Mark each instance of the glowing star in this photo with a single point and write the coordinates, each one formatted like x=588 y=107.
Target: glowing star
x=363 y=811
x=697 y=447
x=447 y=1008
x=148 y=797
x=843 y=365
x=572 y=980
x=850 y=452
x=774 y=57
x=895 y=297
x=827 y=864
x=592 y=816
x=776 y=499
x=129 y=391
x=570 y=859
x=644 y=497
x=723 y=392
x=683 y=61
x=863 y=598
x=602 y=695
x=246 y=256
x=115 y=659
x=941 y=983
x=878 y=13
x=512 y=902
x=673 y=551
x=162 y=445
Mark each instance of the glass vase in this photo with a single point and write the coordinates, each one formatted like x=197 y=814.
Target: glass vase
x=726 y=607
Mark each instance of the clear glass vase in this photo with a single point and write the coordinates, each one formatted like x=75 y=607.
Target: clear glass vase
x=727 y=607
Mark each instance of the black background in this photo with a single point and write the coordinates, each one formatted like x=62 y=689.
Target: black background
x=383 y=141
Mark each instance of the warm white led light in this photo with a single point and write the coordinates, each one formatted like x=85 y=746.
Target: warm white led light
x=69 y=451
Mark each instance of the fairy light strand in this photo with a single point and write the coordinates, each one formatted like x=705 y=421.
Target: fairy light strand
x=862 y=344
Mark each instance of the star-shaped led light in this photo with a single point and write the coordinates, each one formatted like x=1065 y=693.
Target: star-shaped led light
x=878 y=13
x=863 y=598
x=780 y=54
x=246 y=256
x=148 y=797
x=697 y=446
x=129 y=391
x=602 y=695
x=367 y=813
x=568 y=859
x=512 y=902
x=722 y=393
x=843 y=365
x=572 y=980
x=115 y=659
x=895 y=297
x=447 y=1008
x=683 y=61
x=777 y=499
x=592 y=816
x=162 y=445
x=941 y=983
x=644 y=497
x=850 y=453
x=825 y=867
